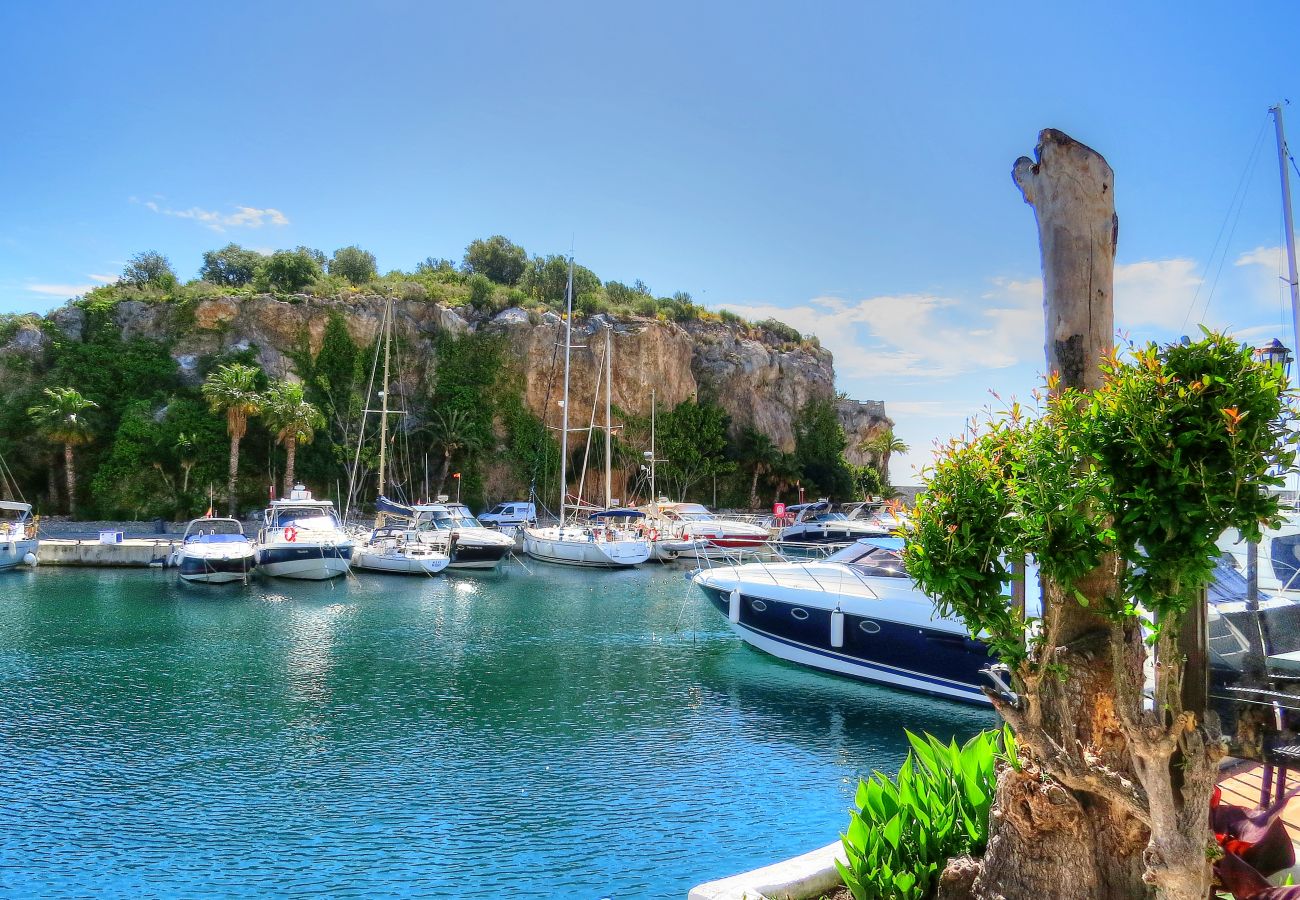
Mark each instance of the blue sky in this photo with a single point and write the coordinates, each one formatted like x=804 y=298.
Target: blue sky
x=843 y=166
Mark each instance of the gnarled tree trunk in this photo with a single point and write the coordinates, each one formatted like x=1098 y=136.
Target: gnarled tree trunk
x=1081 y=833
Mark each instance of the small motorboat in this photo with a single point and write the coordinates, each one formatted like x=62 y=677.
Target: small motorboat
x=398 y=551
x=819 y=523
x=214 y=551
x=18 y=543
x=692 y=530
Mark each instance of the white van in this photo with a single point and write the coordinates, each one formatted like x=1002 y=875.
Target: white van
x=510 y=514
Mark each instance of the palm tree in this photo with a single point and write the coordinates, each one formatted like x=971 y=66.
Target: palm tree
x=879 y=446
x=232 y=390
x=450 y=431
x=758 y=455
x=60 y=420
x=186 y=449
x=294 y=421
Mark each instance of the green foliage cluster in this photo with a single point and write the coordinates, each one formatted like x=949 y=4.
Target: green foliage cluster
x=494 y=274
x=1180 y=443
x=904 y=830
x=819 y=445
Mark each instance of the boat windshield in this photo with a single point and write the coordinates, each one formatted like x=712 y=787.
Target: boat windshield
x=829 y=517
x=878 y=557
x=436 y=519
x=314 y=518
x=463 y=517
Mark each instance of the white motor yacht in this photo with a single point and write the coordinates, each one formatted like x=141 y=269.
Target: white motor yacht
x=452 y=529
x=303 y=538
x=18 y=543
x=214 y=551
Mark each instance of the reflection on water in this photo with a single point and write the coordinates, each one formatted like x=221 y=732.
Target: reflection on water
x=561 y=734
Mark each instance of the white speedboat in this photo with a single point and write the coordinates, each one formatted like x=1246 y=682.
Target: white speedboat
x=855 y=613
x=691 y=529
x=214 y=551
x=398 y=551
x=18 y=543
x=818 y=523
x=303 y=538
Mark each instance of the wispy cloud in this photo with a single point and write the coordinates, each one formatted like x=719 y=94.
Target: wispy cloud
x=102 y=279
x=59 y=290
x=242 y=217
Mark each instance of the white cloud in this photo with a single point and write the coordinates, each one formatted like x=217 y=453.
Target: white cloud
x=1156 y=293
x=242 y=217
x=1268 y=257
x=102 y=279
x=920 y=335
x=59 y=290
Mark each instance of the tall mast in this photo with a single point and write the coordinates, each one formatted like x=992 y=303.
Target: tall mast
x=1288 y=223
x=654 y=498
x=609 y=330
x=564 y=426
x=387 y=326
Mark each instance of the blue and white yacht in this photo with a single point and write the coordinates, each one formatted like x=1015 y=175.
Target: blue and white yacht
x=214 y=551
x=303 y=538
x=855 y=613
x=820 y=523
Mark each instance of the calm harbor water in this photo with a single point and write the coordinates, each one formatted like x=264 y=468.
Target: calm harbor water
x=565 y=733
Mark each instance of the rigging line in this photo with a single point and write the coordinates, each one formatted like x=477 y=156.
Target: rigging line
x=1223 y=258
x=591 y=427
x=353 y=485
x=1237 y=192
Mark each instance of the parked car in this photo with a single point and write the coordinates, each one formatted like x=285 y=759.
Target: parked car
x=510 y=514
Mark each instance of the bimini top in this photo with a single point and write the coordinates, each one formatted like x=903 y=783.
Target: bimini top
x=617 y=514
x=15 y=506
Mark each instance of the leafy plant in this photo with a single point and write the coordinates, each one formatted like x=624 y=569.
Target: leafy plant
x=905 y=829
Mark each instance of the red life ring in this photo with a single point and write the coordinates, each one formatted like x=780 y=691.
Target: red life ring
x=290 y=533
x=654 y=534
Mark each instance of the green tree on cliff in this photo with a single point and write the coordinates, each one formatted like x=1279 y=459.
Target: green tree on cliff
x=819 y=444
x=496 y=258
x=293 y=420
x=60 y=419
x=232 y=389
x=356 y=265
x=149 y=268
x=289 y=271
x=231 y=266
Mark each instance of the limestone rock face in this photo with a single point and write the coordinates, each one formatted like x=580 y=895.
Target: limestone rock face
x=762 y=383
x=863 y=420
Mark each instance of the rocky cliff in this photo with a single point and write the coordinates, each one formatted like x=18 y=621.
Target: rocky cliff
x=760 y=379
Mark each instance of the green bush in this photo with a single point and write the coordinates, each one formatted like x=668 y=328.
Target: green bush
x=905 y=830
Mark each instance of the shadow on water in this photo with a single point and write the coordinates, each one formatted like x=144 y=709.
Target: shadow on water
x=564 y=733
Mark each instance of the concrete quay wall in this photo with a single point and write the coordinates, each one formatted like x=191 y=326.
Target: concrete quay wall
x=131 y=552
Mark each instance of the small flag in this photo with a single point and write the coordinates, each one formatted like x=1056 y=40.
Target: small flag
x=209 y=513
x=455 y=474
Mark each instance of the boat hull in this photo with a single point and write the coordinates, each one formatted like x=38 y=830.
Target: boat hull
x=479 y=556
x=879 y=651
x=397 y=563
x=835 y=533
x=304 y=561
x=201 y=569
x=590 y=554
x=14 y=553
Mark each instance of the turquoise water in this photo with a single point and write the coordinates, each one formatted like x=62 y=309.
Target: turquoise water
x=565 y=733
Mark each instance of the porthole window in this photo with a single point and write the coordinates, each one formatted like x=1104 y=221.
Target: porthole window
x=869 y=626
x=757 y=605
x=799 y=614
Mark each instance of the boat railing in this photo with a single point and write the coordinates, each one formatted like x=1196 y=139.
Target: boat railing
x=758 y=559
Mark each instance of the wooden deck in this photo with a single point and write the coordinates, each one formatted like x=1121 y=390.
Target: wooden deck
x=1241 y=786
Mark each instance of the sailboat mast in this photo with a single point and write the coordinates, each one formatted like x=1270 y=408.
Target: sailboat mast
x=654 y=498
x=608 y=422
x=1288 y=223
x=564 y=419
x=387 y=325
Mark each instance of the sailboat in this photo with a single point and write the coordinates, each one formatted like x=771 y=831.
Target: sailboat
x=390 y=549
x=604 y=541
